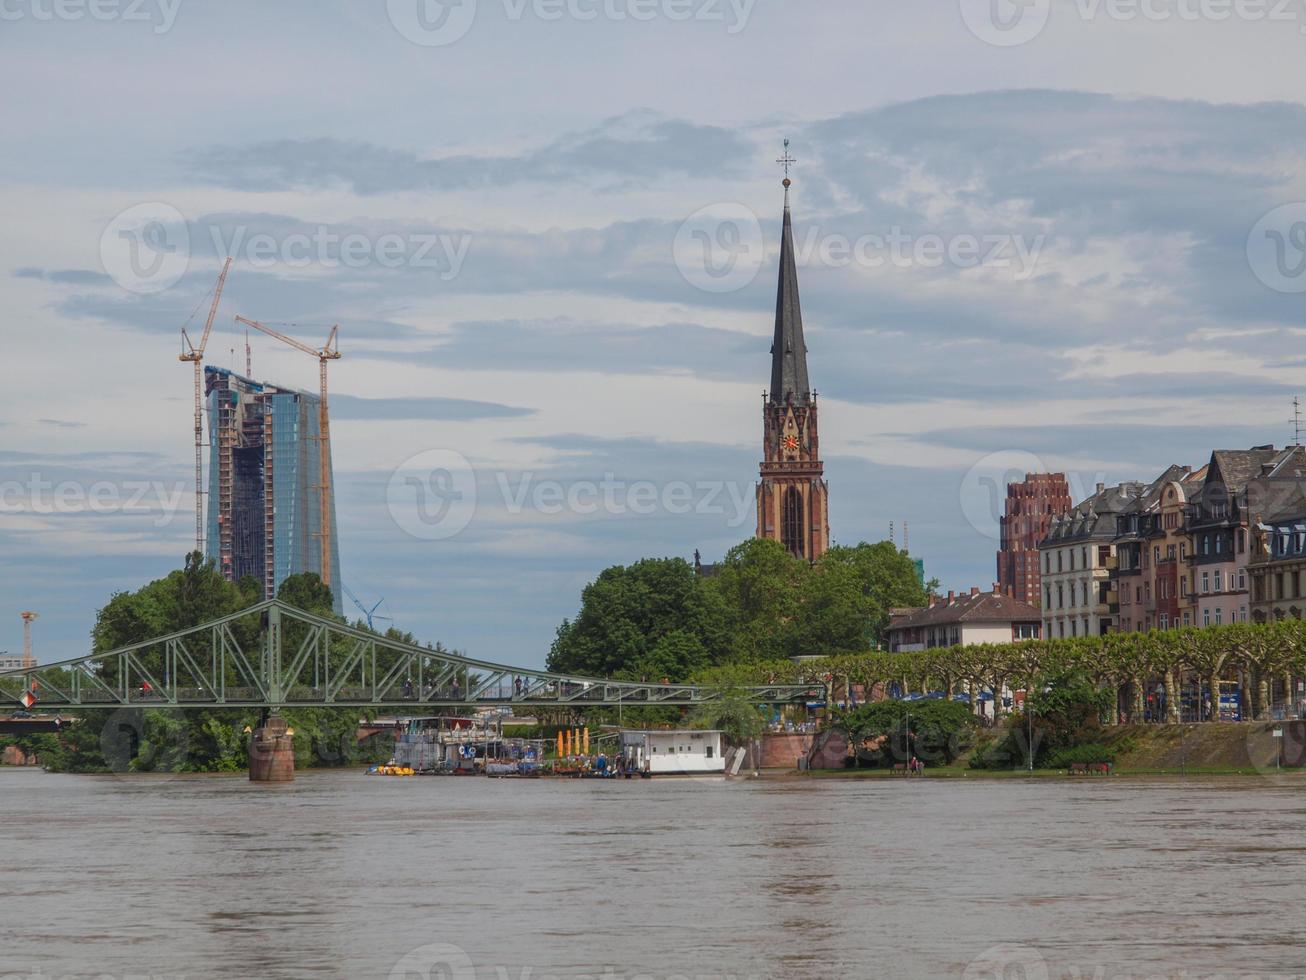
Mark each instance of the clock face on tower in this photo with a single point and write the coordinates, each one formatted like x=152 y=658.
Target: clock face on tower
x=790 y=443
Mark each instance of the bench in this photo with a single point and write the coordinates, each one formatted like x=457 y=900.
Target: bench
x=1090 y=768
x=900 y=769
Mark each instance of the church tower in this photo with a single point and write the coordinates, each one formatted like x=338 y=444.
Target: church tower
x=792 y=493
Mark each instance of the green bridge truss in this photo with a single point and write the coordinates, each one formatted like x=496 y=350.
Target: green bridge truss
x=272 y=655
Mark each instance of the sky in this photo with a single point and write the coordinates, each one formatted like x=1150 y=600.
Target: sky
x=1037 y=235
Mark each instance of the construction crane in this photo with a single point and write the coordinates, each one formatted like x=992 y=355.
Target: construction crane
x=369 y=614
x=195 y=355
x=28 y=618
x=329 y=351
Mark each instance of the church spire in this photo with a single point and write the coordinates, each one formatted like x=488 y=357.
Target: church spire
x=789 y=383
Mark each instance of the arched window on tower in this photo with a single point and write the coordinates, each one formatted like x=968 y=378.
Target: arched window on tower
x=791 y=524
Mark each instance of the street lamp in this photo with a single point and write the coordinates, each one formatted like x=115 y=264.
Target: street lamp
x=1029 y=720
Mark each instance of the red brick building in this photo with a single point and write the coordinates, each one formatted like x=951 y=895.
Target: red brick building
x=1030 y=507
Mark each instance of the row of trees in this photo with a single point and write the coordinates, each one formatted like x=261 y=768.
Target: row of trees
x=1265 y=661
x=658 y=619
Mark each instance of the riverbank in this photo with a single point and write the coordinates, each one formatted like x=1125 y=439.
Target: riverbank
x=1220 y=749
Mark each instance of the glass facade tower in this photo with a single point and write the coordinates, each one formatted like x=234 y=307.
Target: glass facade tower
x=263 y=513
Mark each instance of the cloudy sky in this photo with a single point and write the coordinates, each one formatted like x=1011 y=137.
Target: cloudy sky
x=1057 y=234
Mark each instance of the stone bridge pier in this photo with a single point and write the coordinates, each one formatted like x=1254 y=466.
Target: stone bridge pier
x=272 y=752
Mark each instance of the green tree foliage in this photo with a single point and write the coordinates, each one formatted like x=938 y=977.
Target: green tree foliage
x=889 y=732
x=649 y=620
x=307 y=592
x=1064 y=713
x=657 y=619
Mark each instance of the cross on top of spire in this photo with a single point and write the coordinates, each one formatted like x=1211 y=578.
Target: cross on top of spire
x=786 y=161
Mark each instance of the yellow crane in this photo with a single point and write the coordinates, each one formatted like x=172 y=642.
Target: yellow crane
x=195 y=355
x=330 y=351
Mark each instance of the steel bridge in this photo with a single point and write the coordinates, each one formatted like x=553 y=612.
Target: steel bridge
x=273 y=655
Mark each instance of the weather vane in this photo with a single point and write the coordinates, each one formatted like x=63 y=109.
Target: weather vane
x=786 y=161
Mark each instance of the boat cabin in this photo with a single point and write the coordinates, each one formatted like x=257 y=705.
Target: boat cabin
x=675 y=752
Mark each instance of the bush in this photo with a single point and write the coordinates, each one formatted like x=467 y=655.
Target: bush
x=890 y=732
x=1065 y=718
x=1089 y=754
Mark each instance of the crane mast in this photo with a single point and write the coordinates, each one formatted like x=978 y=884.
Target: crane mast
x=329 y=351
x=196 y=356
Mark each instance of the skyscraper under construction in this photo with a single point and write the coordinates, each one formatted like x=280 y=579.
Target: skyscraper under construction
x=264 y=497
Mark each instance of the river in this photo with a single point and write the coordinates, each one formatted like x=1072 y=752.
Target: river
x=346 y=875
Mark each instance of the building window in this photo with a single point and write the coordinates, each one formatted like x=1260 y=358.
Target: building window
x=1206 y=617
x=1242 y=613
x=1218 y=578
x=1048 y=590
x=1074 y=627
x=1206 y=544
x=1206 y=582
x=791 y=528
x=1061 y=597
x=1165 y=621
x=1219 y=544
x=1188 y=618
x=1060 y=563
x=1242 y=580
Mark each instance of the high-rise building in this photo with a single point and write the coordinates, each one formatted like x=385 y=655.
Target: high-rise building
x=264 y=512
x=1030 y=507
x=792 y=505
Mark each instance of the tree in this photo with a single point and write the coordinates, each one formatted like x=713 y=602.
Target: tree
x=888 y=732
x=651 y=619
x=305 y=591
x=886 y=578
x=758 y=586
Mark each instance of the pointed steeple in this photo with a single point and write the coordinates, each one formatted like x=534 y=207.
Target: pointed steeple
x=789 y=383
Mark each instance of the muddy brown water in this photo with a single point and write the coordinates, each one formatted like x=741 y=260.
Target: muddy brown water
x=346 y=875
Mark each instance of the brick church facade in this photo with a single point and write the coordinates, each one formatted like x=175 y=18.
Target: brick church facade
x=792 y=495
